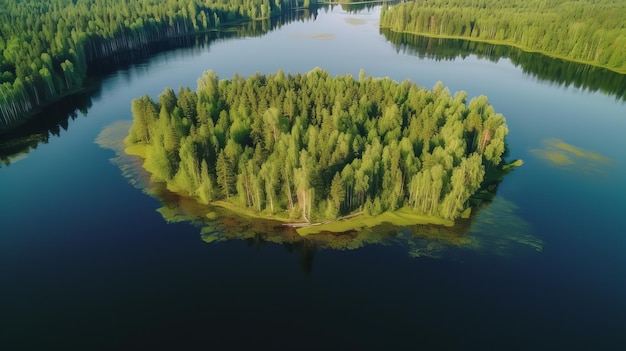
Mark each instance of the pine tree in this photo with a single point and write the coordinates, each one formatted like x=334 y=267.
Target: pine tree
x=225 y=176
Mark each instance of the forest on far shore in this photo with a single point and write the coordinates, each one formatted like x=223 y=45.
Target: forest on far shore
x=592 y=32
x=313 y=147
x=47 y=47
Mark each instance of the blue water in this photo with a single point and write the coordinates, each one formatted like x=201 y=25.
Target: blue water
x=87 y=263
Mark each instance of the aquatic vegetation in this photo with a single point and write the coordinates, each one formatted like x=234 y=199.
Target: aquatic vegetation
x=498 y=229
x=572 y=158
x=317 y=36
x=355 y=21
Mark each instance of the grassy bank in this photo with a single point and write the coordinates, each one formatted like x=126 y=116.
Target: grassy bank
x=402 y=217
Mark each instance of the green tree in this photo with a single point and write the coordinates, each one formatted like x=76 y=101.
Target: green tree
x=225 y=176
x=330 y=158
x=337 y=192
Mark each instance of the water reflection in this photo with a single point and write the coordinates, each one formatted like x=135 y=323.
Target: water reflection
x=564 y=73
x=355 y=6
x=200 y=42
x=494 y=228
x=51 y=121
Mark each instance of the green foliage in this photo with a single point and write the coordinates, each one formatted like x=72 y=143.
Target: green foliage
x=224 y=173
x=46 y=47
x=587 y=31
x=408 y=147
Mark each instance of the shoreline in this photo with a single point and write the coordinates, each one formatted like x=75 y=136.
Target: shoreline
x=86 y=85
x=351 y=222
x=506 y=43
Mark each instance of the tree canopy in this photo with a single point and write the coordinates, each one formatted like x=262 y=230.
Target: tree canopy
x=47 y=47
x=315 y=146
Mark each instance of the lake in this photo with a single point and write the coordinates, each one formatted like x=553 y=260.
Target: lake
x=87 y=261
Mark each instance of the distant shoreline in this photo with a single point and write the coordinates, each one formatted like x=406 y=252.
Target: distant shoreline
x=506 y=43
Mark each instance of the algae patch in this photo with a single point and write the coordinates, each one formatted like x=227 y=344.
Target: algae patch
x=572 y=158
x=355 y=21
x=316 y=36
x=112 y=138
x=498 y=229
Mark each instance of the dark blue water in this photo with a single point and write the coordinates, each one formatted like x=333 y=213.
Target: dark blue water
x=87 y=263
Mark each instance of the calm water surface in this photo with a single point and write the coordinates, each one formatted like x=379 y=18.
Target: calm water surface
x=87 y=263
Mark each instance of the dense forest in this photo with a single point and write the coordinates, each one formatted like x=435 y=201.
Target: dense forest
x=47 y=47
x=311 y=146
x=586 y=31
x=54 y=119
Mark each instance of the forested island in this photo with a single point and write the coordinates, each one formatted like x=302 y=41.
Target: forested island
x=591 y=32
x=48 y=47
x=219 y=224
x=312 y=147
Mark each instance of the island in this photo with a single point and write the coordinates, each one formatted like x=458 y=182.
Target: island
x=311 y=148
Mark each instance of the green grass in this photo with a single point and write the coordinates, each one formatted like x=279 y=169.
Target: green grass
x=402 y=217
x=137 y=150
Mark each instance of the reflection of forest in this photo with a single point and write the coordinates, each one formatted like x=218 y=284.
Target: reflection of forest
x=51 y=121
x=354 y=6
x=56 y=117
x=493 y=228
x=545 y=68
x=201 y=41
x=496 y=231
